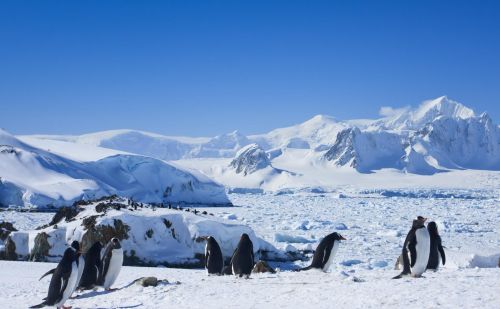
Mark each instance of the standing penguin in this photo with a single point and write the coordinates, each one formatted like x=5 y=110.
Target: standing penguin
x=63 y=281
x=112 y=261
x=243 y=259
x=418 y=243
x=214 y=262
x=436 y=248
x=326 y=250
x=79 y=262
x=93 y=267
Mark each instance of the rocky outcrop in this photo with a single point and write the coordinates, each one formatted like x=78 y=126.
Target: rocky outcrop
x=150 y=236
x=342 y=152
x=263 y=267
x=250 y=159
x=41 y=248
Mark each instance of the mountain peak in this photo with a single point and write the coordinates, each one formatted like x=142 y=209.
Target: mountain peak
x=442 y=106
x=320 y=118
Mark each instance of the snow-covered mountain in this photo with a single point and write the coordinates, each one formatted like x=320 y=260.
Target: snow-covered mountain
x=438 y=135
x=32 y=176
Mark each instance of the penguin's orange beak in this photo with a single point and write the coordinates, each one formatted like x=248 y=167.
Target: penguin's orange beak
x=342 y=237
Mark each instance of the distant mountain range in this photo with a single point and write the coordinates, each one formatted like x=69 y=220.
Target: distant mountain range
x=440 y=135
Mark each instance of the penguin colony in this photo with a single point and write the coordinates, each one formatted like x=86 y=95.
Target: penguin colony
x=422 y=250
x=78 y=272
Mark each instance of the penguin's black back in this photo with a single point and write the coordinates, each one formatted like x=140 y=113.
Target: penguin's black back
x=59 y=280
x=214 y=261
x=435 y=248
x=326 y=244
x=243 y=258
x=92 y=267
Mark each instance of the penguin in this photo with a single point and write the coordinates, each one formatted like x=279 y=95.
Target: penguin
x=326 y=250
x=63 y=281
x=80 y=262
x=214 y=262
x=417 y=242
x=93 y=267
x=112 y=261
x=436 y=248
x=243 y=258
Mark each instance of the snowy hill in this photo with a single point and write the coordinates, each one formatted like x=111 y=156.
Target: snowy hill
x=32 y=176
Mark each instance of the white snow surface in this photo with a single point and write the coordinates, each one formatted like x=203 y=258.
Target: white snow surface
x=360 y=277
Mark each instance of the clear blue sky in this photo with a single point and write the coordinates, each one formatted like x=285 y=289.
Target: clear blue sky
x=201 y=68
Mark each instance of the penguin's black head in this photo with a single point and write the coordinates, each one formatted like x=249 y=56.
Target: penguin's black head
x=69 y=255
x=433 y=228
x=115 y=243
x=419 y=222
x=244 y=236
x=75 y=245
x=421 y=219
x=337 y=236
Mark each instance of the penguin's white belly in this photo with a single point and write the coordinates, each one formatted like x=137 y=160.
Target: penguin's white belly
x=115 y=265
x=332 y=254
x=70 y=287
x=81 y=265
x=423 y=250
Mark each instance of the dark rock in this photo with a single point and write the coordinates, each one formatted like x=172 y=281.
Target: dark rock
x=262 y=267
x=41 y=248
x=149 y=281
x=66 y=213
x=103 y=233
x=9 y=252
x=5 y=229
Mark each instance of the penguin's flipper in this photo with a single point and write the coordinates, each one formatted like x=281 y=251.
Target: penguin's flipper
x=47 y=273
x=441 y=251
x=326 y=253
x=412 y=247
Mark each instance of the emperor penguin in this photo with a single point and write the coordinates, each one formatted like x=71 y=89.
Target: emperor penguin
x=326 y=250
x=63 y=281
x=112 y=261
x=417 y=242
x=214 y=261
x=242 y=260
x=436 y=254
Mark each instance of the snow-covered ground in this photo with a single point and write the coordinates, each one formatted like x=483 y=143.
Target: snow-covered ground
x=374 y=226
x=466 y=288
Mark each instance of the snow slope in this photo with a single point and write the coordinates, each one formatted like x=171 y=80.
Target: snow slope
x=32 y=176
